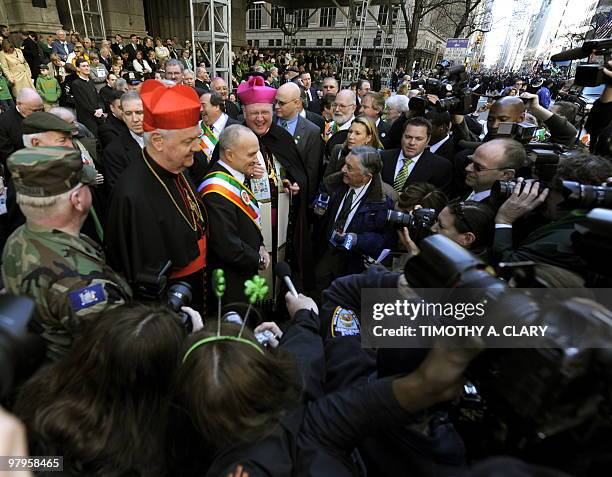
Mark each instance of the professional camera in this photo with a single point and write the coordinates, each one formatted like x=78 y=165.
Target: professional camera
x=593 y=242
x=153 y=286
x=531 y=402
x=21 y=352
x=588 y=74
x=419 y=222
x=521 y=132
x=451 y=85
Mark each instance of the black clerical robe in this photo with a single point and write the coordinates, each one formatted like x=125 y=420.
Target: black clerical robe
x=150 y=221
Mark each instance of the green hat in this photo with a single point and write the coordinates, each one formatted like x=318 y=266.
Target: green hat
x=48 y=171
x=42 y=122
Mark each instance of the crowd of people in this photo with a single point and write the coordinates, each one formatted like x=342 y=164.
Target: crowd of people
x=129 y=175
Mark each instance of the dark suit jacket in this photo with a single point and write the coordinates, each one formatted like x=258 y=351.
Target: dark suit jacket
x=133 y=49
x=447 y=149
x=429 y=168
x=310 y=146
x=117 y=157
x=201 y=85
x=337 y=138
x=317 y=119
x=111 y=130
x=10 y=134
x=231 y=109
x=233 y=242
x=117 y=49
x=383 y=131
x=57 y=47
x=314 y=105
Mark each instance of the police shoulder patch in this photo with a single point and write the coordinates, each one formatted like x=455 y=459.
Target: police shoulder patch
x=86 y=297
x=344 y=323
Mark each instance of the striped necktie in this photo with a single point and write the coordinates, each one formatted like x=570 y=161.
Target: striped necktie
x=398 y=183
x=284 y=125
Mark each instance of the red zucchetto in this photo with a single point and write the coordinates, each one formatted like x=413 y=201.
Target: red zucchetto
x=256 y=91
x=169 y=107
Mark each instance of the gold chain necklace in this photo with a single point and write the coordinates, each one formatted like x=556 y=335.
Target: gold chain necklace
x=193 y=203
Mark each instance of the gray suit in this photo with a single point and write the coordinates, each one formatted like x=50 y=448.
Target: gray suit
x=310 y=146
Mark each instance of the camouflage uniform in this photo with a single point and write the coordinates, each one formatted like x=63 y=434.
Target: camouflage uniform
x=66 y=275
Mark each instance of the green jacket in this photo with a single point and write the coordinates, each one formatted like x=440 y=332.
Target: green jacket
x=66 y=276
x=48 y=88
x=5 y=92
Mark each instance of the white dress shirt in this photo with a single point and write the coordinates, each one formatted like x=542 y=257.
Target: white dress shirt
x=138 y=139
x=478 y=196
x=400 y=164
x=347 y=124
x=360 y=193
x=219 y=124
x=434 y=147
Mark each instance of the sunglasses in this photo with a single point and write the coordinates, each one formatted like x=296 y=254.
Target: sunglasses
x=459 y=209
x=480 y=168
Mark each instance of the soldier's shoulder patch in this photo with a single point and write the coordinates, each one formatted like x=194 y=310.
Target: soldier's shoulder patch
x=87 y=297
x=344 y=323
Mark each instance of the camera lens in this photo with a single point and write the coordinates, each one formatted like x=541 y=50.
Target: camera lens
x=582 y=196
x=501 y=190
x=178 y=295
x=398 y=219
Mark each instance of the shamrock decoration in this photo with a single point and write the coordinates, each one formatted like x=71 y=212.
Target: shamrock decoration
x=219 y=282
x=255 y=289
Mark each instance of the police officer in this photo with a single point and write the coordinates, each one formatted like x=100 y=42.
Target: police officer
x=47 y=258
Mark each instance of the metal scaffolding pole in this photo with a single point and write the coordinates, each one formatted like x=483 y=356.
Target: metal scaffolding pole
x=211 y=28
x=353 y=42
x=388 y=60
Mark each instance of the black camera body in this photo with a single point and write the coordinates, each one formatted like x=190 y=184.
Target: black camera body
x=589 y=74
x=153 y=286
x=419 y=222
x=451 y=86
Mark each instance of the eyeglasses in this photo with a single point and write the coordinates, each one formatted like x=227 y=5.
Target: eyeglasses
x=341 y=106
x=480 y=168
x=280 y=103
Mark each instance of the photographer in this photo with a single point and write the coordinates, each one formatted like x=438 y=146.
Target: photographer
x=561 y=130
x=469 y=224
x=550 y=243
x=258 y=417
x=600 y=116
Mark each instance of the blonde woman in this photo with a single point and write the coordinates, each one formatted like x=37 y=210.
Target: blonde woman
x=362 y=132
x=15 y=68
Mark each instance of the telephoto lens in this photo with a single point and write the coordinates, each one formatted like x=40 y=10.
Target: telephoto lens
x=179 y=295
x=580 y=196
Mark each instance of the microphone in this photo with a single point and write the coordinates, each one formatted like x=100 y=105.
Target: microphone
x=570 y=55
x=283 y=271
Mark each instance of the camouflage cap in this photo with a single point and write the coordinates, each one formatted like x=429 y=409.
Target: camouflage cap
x=42 y=122
x=48 y=171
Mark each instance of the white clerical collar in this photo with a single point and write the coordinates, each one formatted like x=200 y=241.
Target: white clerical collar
x=303 y=113
x=478 y=196
x=347 y=124
x=434 y=147
x=403 y=158
x=137 y=138
x=220 y=123
x=237 y=174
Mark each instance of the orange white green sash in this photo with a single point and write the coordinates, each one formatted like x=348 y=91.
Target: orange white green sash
x=234 y=191
x=208 y=140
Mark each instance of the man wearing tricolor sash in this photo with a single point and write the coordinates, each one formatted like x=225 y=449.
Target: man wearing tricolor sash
x=235 y=238
x=214 y=120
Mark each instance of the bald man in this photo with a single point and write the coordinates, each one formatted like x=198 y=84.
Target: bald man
x=307 y=135
x=219 y=85
x=27 y=102
x=509 y=109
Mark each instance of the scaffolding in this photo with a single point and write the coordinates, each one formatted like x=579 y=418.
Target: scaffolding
x=211 y=27
x=353 y=42
x=86 y=18
x=388 y=59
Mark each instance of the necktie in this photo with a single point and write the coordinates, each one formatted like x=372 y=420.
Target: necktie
x=284 y=125
x=309 y=95
x=346 y=210
x=398 y=183
x=247 y=182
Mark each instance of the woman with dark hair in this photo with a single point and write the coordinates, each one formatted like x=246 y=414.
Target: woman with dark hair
x=423 y=194
x=104 y=406
x=362 y=132
x=265 y=409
